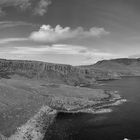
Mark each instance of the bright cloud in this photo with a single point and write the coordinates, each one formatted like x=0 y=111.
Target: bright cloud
x=48 y=34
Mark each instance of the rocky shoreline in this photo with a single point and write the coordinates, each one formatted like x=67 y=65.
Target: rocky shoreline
x=102 y=106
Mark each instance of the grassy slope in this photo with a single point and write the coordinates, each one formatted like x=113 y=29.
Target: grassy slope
x=21 y=99
x=124 y=67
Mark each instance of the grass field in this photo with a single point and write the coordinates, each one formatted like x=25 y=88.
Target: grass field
x=20 y=99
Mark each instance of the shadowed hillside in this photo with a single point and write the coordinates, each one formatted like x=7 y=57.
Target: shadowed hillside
x=122 y=67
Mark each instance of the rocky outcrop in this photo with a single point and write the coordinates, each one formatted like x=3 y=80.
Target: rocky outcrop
x=37 y=126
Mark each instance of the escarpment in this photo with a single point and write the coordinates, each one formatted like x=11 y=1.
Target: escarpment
x=52 y=73
x=55 y=73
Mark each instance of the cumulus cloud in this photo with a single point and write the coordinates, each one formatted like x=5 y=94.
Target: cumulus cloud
x=37 y=7
x=48 y=34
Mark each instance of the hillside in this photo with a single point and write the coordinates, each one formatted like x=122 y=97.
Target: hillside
x=26 y=86
x=122 y=66
x=22 y=99
x=99 y=74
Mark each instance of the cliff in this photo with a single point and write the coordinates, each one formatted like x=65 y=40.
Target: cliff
x=51 y=73
x=99 y=73
x=54 y=73
x=70 y=75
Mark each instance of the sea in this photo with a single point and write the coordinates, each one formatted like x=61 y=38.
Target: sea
x=123 y=123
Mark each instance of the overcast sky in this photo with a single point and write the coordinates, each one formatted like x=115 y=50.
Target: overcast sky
x=69 y=31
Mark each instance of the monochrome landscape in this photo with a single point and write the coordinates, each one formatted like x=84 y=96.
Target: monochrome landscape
x=69 y=70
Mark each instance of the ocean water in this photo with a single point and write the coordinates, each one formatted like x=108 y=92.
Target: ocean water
x=123 y=122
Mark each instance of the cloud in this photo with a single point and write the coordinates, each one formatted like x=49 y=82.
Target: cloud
x=53 y=49
x=61 y=49
x=42 y=7
x=22 y=4
x=93 y=57
x=48 y=34
x=8 y=40
x=62 y=53
x=135 y=56
x=36 y=7
x=2 y=13
x=9 y=24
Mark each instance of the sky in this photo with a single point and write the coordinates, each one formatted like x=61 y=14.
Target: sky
x=76 y=32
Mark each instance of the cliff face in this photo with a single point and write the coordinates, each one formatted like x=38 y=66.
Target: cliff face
x=67 y=74
x=122 y=67
x=52 y=73
x=100 y=74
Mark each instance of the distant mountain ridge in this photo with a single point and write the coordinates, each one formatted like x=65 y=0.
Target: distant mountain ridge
x=121 y=66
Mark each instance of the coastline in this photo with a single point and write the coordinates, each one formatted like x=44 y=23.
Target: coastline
x=102 y=106
x=36 y=127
